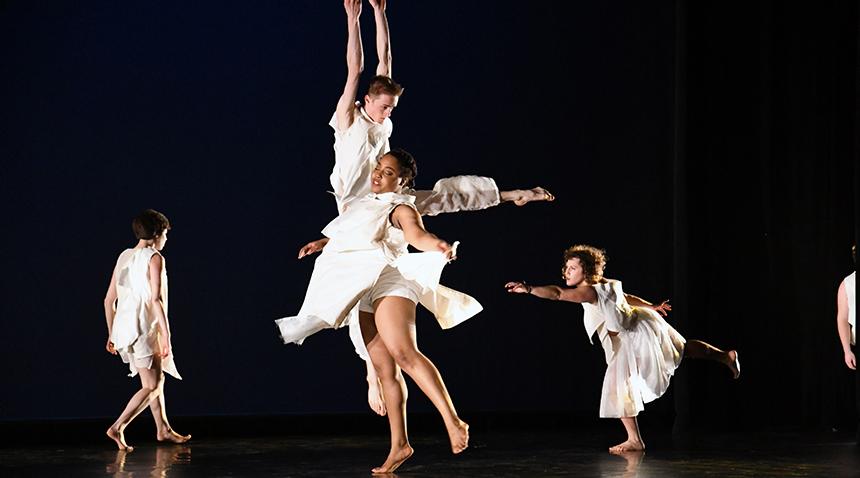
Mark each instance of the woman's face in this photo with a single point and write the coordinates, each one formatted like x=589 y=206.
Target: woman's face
x=574 y=274
x=160 y=240
x=386 y=176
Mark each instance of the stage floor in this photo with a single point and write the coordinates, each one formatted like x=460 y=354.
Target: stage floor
x=508 y=453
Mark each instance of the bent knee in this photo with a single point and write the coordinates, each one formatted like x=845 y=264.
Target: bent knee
x=406 y=357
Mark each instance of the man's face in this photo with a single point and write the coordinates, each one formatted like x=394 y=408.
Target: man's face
x=380 y=106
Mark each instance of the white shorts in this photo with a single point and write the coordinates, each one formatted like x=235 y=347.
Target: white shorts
x=390 y=284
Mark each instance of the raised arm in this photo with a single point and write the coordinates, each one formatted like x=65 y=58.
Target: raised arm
x=156 y=265
x=383 y=41
x=354 y=65
x=553 y=292
x=844 y=327
x=110 y=311
x=406 y=218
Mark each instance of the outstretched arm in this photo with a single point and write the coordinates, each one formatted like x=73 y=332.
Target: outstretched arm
x=663 y=309
x=354 y=65
x=110 y=311
x=406 y=218
x=844 y=327
x=156 y=265
x=553 y=292
x=383 y=40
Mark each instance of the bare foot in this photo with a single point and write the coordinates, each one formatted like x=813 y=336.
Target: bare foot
x=534 y=194
x=172 y=436
x=629 y=445
x=396 y=457
x=734 y=363
x=459 y=436
x=118 y=437
x=375 y=399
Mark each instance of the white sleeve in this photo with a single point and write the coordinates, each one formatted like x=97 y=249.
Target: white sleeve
x=458 y=193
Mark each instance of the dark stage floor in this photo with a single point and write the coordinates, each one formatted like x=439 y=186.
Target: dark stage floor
x=495 y=452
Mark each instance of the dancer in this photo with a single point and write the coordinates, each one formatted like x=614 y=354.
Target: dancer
x=362 y=135
x=642 y=350
x=367 y=257
x=846 y=324
x=138 y=329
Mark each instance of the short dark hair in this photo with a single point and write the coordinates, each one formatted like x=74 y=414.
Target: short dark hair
x=593 y=261
x=408 y=166
x=381 y=84
x=149 y=224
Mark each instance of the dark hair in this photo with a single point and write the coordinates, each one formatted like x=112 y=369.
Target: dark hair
x=381 y=84
x=593 y=261
x=149 y=224
x=408 y=166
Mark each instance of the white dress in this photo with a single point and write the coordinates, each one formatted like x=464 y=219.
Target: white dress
x=640 y=359
x=135 y=331
x=362 y=243
x=357 y=152
x=852 y=305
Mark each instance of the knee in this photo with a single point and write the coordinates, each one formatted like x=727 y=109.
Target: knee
x=406 y=357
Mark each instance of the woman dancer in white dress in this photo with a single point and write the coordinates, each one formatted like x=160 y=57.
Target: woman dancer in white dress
x=642 y=350
x=366 y=256
x=138 y=329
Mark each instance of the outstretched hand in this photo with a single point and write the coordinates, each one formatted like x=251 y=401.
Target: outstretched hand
x=312 y=247
x=663 y=309
x=448 y=250
x=352 y=7
x=517 y=287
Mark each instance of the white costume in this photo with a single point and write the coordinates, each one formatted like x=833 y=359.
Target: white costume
x=640 y=359
x=363 y=245
x=852 y=305
x=357 y=152
x=135 y=329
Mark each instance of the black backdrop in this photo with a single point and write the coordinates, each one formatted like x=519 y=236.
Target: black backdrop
x=711 y=148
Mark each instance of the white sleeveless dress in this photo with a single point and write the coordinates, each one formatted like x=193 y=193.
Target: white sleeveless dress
x=135 y=331
x=362 y=244
x=640 y=360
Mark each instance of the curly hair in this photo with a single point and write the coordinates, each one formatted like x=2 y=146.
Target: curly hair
x=149 y=224
x=408 y=166
x=593 y=261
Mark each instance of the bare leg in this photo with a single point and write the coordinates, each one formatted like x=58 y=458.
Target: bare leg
x=150 y=380
x=395 y=321
x=521 y=197
x=394 y=390
x=700 y=350
x=634 y=439
x=164 y=432
x=374 y=389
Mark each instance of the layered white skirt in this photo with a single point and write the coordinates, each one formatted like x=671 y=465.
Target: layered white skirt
x=641 y=360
